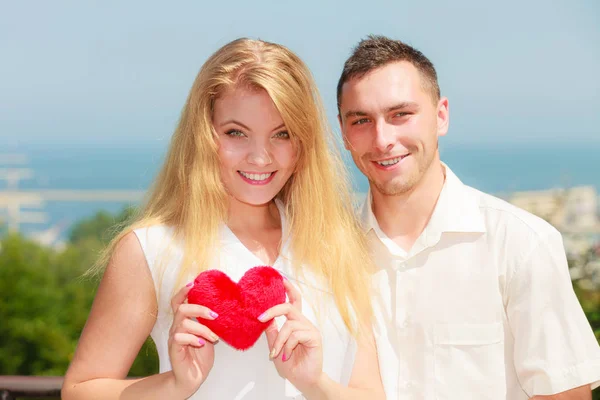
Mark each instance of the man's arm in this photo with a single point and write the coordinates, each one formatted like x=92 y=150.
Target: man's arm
x=556 y=354
x=580 y=393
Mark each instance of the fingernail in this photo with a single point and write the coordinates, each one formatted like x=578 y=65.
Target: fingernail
x=189 y=284
x=213 y=314
x=214 y=338
x=262 y=317
x=283 y=357
x=272 y=354
x=201 y=341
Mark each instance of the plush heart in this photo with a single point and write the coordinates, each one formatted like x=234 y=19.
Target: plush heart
x=238 y=304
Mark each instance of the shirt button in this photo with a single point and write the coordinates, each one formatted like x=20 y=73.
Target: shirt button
x=405 y=323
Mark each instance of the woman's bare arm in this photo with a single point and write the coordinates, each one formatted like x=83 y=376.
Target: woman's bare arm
x=365 y=381
x=122 y=316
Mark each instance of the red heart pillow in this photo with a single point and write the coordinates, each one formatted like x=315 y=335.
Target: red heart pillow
x=238 y=304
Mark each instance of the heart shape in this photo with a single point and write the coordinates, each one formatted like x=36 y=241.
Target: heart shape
x=238 y=304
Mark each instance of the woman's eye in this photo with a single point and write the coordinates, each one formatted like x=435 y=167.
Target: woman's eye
x=235 y=133
x=282 y=135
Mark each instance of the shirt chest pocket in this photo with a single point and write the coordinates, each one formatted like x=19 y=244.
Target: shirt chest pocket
x=469 y=361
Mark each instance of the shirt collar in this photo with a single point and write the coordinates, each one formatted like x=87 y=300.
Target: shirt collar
x=227 y=236
x=456 y=210
x=367 y=218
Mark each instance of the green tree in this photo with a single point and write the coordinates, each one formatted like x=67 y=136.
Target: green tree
x=45 y=301
x=102 y=227
x=87 y=238
x=32 y=340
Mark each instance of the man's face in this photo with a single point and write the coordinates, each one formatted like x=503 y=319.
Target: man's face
x=391 y=126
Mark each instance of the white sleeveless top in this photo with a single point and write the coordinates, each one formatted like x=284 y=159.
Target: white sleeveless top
x=247 y=375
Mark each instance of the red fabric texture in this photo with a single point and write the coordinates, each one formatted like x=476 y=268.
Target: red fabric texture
x=238 y=304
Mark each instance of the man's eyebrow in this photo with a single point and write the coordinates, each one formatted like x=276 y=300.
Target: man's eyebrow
x=351 y=113
x=402 y=106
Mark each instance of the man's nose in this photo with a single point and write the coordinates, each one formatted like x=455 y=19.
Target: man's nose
x=384 y=137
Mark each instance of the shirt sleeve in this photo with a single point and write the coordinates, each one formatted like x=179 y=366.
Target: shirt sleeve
x=555 y=349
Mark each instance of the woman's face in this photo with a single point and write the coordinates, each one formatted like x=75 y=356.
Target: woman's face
x=256 y=153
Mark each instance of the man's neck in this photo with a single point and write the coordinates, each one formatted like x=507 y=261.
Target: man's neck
x=404 y=217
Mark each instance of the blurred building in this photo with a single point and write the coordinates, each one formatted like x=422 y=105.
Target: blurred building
x=574 y=212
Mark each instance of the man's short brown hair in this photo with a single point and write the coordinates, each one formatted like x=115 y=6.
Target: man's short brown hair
x=377 y=51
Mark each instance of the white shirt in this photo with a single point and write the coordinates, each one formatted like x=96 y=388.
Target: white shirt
x=481 y=307
x=247 y=375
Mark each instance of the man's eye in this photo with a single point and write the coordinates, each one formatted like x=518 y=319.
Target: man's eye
x=360 y=121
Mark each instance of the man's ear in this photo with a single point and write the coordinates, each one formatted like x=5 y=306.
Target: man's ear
x=443 y=116
x=346 y=144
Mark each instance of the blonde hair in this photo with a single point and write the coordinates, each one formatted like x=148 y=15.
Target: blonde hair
x=189 y=196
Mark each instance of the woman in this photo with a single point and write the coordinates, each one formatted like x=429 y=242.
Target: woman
x=251 y=178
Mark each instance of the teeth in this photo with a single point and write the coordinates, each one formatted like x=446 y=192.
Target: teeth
x=390 y=162
x=256 y=177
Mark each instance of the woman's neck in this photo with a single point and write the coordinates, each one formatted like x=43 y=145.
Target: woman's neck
x=247 y=217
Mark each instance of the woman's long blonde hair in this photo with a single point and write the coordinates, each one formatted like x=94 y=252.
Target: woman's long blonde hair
x=189 y=196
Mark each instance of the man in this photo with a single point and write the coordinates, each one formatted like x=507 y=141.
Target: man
x=476 y=298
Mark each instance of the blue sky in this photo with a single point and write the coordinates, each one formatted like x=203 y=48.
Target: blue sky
x=117 y=73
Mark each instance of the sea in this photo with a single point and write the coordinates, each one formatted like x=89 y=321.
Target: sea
x=497 y=169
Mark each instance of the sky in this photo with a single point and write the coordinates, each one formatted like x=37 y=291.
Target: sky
x=114 y=73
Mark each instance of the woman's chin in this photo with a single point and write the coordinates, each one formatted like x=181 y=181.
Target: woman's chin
x=254 y=201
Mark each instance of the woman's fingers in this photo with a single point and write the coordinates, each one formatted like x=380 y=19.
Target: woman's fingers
x=271 y=333
x=291 y=309
x=186 y=311
x=307 y=338
x=293 y=294
x=295 y=339
x=285 y=309
x=185 y=329
x=283 y=335
x=187 y=339
x=180 y=297
x=289 y=335
x=196 y=328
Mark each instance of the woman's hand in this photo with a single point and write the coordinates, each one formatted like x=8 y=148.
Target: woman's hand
x=191 y=344
x=297 y=348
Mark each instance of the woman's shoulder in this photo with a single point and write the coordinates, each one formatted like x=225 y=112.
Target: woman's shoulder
x=153 y=233
x=127 y=250
x=156 y=241
x=150 y=236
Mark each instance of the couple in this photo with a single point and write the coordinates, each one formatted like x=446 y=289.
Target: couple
x=441 y=292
